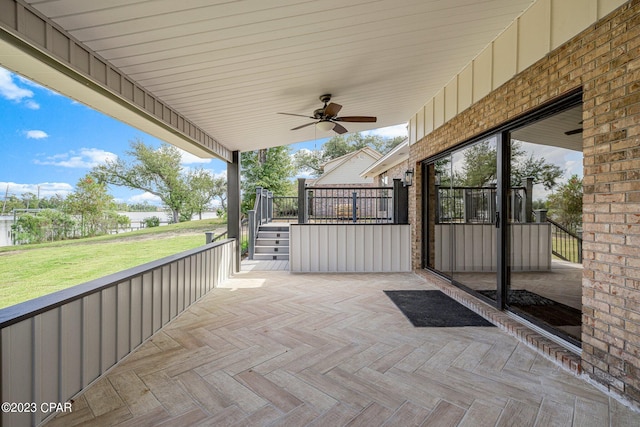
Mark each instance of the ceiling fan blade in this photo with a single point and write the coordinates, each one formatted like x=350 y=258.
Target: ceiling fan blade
x=304 y=126
x=357 y=119
x=297 y=115
x=573 y=132
x=339 y=129
x=332 y=109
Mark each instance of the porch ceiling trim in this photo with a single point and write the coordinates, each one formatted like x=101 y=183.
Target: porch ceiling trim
x=37 y=48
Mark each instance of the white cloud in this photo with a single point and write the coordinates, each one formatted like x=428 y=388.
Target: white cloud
x=85 y=158
x=189 y=159
x=389 y=131
x=145 y=197
x=45 y=189
x=36 y=134
x=11 y=91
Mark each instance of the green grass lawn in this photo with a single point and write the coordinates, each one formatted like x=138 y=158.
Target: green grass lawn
x=30 y=271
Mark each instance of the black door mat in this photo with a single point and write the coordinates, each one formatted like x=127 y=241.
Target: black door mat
x=435 y=309
x=545 y=309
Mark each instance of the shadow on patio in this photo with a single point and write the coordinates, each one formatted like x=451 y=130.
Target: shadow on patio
x=273 y=348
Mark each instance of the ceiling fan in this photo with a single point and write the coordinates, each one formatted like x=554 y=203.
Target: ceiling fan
x=327 y=117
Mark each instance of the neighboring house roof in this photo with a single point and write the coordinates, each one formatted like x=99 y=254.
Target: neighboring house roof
x=346 y=169
x=397 y=155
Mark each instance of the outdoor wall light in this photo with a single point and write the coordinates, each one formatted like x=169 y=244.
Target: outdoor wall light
x=325 y=125
x=408 y=178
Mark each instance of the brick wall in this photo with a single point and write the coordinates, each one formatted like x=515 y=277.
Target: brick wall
x=605 y=61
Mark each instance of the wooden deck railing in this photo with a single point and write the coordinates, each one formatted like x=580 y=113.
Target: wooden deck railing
x=54 y=346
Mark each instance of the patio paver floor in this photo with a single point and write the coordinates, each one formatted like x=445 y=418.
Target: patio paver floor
x=273 y=348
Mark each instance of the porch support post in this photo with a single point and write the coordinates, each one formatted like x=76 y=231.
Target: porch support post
x=233 y=210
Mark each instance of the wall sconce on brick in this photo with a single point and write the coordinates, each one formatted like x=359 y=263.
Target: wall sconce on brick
x=408 y=178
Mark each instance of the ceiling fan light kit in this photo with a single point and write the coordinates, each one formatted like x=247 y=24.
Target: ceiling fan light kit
x=325 y=125
x=327 y=117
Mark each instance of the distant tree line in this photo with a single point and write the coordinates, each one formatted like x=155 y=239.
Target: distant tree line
x=88 y=211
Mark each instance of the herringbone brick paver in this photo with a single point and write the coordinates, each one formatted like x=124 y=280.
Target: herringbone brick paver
x=270 y=348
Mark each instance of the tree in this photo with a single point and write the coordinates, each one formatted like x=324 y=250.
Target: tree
x=565 y=203
x=271 y=168
x=480 y=167
x=91 y=202
x=156 y=171
x=203 y=189
x=313 y=160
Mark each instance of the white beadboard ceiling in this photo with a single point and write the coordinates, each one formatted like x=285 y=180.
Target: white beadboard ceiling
x=229 y=66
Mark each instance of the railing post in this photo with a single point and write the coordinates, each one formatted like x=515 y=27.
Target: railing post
x=264 y=202
x=258 y=205
x=270 y=206
x=354 y=207
x=252 y=232
x=302 y=201
x=400 y=203
x=527 y=208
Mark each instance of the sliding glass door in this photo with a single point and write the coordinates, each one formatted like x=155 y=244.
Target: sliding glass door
x=545 y=214
x=462 y=209
x=503 y=215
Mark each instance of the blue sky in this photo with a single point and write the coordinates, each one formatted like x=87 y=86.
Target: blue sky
x=48 y=142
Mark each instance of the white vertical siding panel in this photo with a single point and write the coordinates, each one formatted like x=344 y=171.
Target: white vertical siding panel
x=359 y=254
x=438 y=109
x=71 y=330
x=124 y=316
x=486 y=247
x=108 y=331
x=91 y=338
x=505 y=55
x=387 y=249
x=405 y=253
x=526 y=246
x=322 y=253
x=398 y=254
x=451 y=99
x=482 y=71
x=367 y=234
x=412 y=130
x=332 y=255
x=294 y=248
x=545 y=245
x=352 y=248
x=420 y=125
x=478 y=261
x=569 y=17
x=534 y=247
x=428 y=117
x=534 y=34
x=147 y=305
x=465 y=88
x=437 y=252
x=467 y=247
x=341 y=249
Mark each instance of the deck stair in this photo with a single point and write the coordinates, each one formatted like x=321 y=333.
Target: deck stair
x=272 y=242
